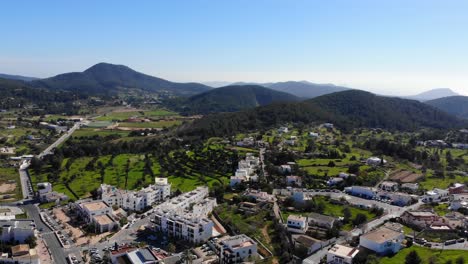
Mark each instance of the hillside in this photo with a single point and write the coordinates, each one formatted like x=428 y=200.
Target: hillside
x=230 y=99
x=104 y=78
x=17 y=77
x=18 y=94
x=455 y=105
x=347 y=110
x=433 y=94
x=302 y=89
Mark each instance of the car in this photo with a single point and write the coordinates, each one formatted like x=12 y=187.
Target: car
x=428 y=245
x=461 y=240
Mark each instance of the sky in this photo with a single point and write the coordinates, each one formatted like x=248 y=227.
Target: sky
x=394 y=47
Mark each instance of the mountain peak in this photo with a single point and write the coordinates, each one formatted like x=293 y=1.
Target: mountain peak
x=434 y=94
x=104 y=66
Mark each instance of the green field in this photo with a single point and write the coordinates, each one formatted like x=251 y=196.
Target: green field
x=156 y=124
x=90 y=132
x=99 y=124
x=11 y=174
x=426 y=254
x=121 y=116
x=77 y=181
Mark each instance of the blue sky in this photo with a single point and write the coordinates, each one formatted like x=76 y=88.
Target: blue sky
x=388 y=47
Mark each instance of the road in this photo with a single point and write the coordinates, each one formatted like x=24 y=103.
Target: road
x=25 y=184
x=59 y=141
x=58 y=253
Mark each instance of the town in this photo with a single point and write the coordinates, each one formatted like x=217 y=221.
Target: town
x=304 y=194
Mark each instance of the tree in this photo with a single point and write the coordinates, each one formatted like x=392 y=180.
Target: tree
x=413 y=258
x=360 y=219
x=346 y=214
x=171 y=248
x=460 y=260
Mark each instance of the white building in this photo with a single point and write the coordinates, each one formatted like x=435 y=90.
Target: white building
x=176 y=219
x=297 y=224
x=361 y=191
x=458 y=201
x=413 y=187
x=340 y=254
x=389 y=186
x=17 y=230
x=375 y=161
x=246 y=170
x=99 y=213
x=435 y=195
x=293 y=180
x=384 y=240
x=307 y=242
x=136 y=200
x=260 y=196
x=283 y=130
x=236 y=249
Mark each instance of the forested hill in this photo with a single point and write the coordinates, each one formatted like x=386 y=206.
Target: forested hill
x=347 y=109
x=230 y=99
x=455 y=105
x=105 y=78
x=18 y=94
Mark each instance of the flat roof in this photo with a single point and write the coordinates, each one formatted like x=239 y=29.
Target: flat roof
x=382 y=235
x=103 y=219
x=343 y=251
x=94 y=206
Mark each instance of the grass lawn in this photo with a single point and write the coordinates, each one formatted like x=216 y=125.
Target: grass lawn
x=440 y=256
x=11 y=174
x=99 y=124
x=120 y=116
x=335 y=210
x=431 y=182
x=90 y=132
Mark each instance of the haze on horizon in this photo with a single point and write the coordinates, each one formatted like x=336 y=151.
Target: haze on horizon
x=394 y=47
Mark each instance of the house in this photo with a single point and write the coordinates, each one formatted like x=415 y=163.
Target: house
x=375 y=161
x=334 y=181
x=321 y=220
x=105 y=223
x=389 y=186
x=313 y=135
x=311 y=244
x=21 y=254
x=328 y=125
x=402 y=199
x=412 y=187
x=293 y=180
x=249 y=208
x=458 y=201
x=297 y=224
x=246 y=142
x=421 y=219
x=283 y=130
x=46 y=195
x=260 y=196
x=17 y=229
x=285 y=169
x=340 y=254
x=361 y=191
x=457 y=188
x=383 y=241
x=290 y=142
x=455 y=220
x=236 y=249
x=435 y=195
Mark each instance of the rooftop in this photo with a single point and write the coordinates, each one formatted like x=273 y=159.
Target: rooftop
x=94 y=206
x=20 y=248
x=343 y=251
x=381 y=235
x=321 y=217
x=297 y=218
x=103 y=219
x=306 y=241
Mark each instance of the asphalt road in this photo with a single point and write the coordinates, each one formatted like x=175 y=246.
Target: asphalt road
x=25 y=184
x=58 y=253
x=59 y=141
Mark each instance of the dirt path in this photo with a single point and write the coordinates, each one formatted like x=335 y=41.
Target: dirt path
x=265 y=234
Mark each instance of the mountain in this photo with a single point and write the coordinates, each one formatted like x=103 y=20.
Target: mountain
x=231 y=99
x=302 y=89
x=347 y=110
x=455 y=105
x=433 y=94
x=19 y=94
x=17 y=77
x=105 y=78
x=306 y=89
